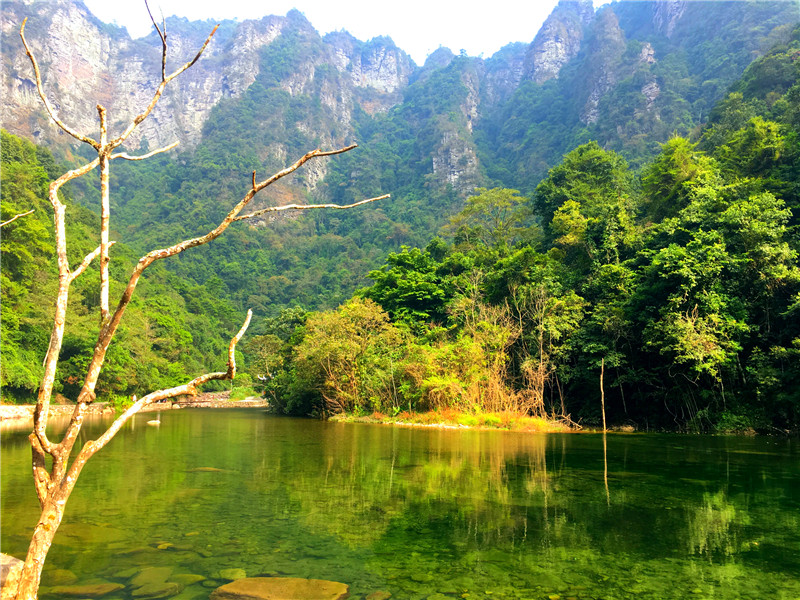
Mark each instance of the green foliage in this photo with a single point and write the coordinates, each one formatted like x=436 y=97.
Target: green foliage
x=664 y=251
x=346 y=357
x=166 y=333
x=643 y=102
x=495 y=218
x=587 y=206
x=683 y=285
x=415 y=285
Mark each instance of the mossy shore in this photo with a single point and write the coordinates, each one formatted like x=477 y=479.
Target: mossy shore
x=451 y=419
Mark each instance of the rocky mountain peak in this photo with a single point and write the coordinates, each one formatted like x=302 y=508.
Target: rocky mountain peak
x=378 y=64
x=583 y=8
x=558 y=41
x=439 y=58
x=607 y=48
x=504 y=71
x=666 y=14
x=85 y=62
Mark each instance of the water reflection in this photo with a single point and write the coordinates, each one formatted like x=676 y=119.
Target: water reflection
x=421 y=512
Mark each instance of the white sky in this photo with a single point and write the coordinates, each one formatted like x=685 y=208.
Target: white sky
x=417 y=26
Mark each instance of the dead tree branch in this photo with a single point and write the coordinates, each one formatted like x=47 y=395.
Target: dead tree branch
x=186 y=389
x=270 y=209
x=127 y=156
x=15 y=217
x=86 y=262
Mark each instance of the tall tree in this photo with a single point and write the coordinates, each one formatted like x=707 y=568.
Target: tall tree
x=54 y=484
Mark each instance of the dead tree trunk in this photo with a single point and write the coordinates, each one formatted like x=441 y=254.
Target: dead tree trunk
x=54 y=485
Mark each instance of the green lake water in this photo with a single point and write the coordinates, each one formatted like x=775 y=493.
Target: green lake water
x=424 y=513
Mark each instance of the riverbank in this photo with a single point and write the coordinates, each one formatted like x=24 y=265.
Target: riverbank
x=19 y=414
x=451 y=419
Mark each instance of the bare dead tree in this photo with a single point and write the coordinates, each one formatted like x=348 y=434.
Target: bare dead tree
x=55 y=484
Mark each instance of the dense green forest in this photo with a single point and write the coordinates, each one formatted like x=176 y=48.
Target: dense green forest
x=173 y=329
x=318 y=260
x=680 y=282
x=670 y=267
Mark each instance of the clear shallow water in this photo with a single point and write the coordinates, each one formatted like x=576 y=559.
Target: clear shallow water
x=426 y=513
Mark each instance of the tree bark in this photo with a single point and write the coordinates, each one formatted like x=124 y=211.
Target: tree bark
x=43 y=534
x=603 y=392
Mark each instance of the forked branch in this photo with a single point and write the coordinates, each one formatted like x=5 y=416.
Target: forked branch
x=186 y=389
x=87 y=261
x=110 y=325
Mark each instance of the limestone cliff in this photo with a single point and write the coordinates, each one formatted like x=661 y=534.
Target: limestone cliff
x=558 y=41
x=455 y=159
x=85 y=62
x=378 y=70
x=504 y=71
x=605 y=54
x=336 y=89
x=666 y=15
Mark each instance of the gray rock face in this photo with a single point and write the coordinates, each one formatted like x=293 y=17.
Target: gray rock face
x=651 y=91
x=455 y=161
x=378 y=64
x=504 y=72
x=607 y=49
x=85 y=63
x=558 y=41
x=666 y=14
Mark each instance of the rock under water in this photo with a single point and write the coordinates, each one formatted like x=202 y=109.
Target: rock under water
x=281 y=588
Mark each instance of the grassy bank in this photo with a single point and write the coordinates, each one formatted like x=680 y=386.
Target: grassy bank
x=509 y=421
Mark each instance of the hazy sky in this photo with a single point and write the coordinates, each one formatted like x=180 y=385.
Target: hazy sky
x=417 y=26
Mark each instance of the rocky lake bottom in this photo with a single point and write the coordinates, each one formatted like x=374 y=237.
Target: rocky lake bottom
x=213 y=496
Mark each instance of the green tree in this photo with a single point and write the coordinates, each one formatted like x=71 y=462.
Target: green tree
x=347 y=357
x=494 y=218
x=587 y=205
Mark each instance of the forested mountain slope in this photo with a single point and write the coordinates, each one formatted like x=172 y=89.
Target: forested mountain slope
x=629 y=76
x=173 y=329
x=674 y=294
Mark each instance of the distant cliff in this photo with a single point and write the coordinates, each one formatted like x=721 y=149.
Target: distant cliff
x=85 y=62
x=628 y=75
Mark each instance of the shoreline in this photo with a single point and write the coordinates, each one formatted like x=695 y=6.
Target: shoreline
x=498 y=421
x=18 y=414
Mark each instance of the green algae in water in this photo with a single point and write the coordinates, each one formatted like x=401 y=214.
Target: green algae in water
x=423 y=513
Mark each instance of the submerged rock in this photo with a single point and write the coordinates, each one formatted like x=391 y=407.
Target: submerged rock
x=59 y=577
x=89 y=590
x=187 y=578
x=151 y=575
x=153 y=591
x=379 y=595
x=281 y=588
x=126 y=574
x=232 y=574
